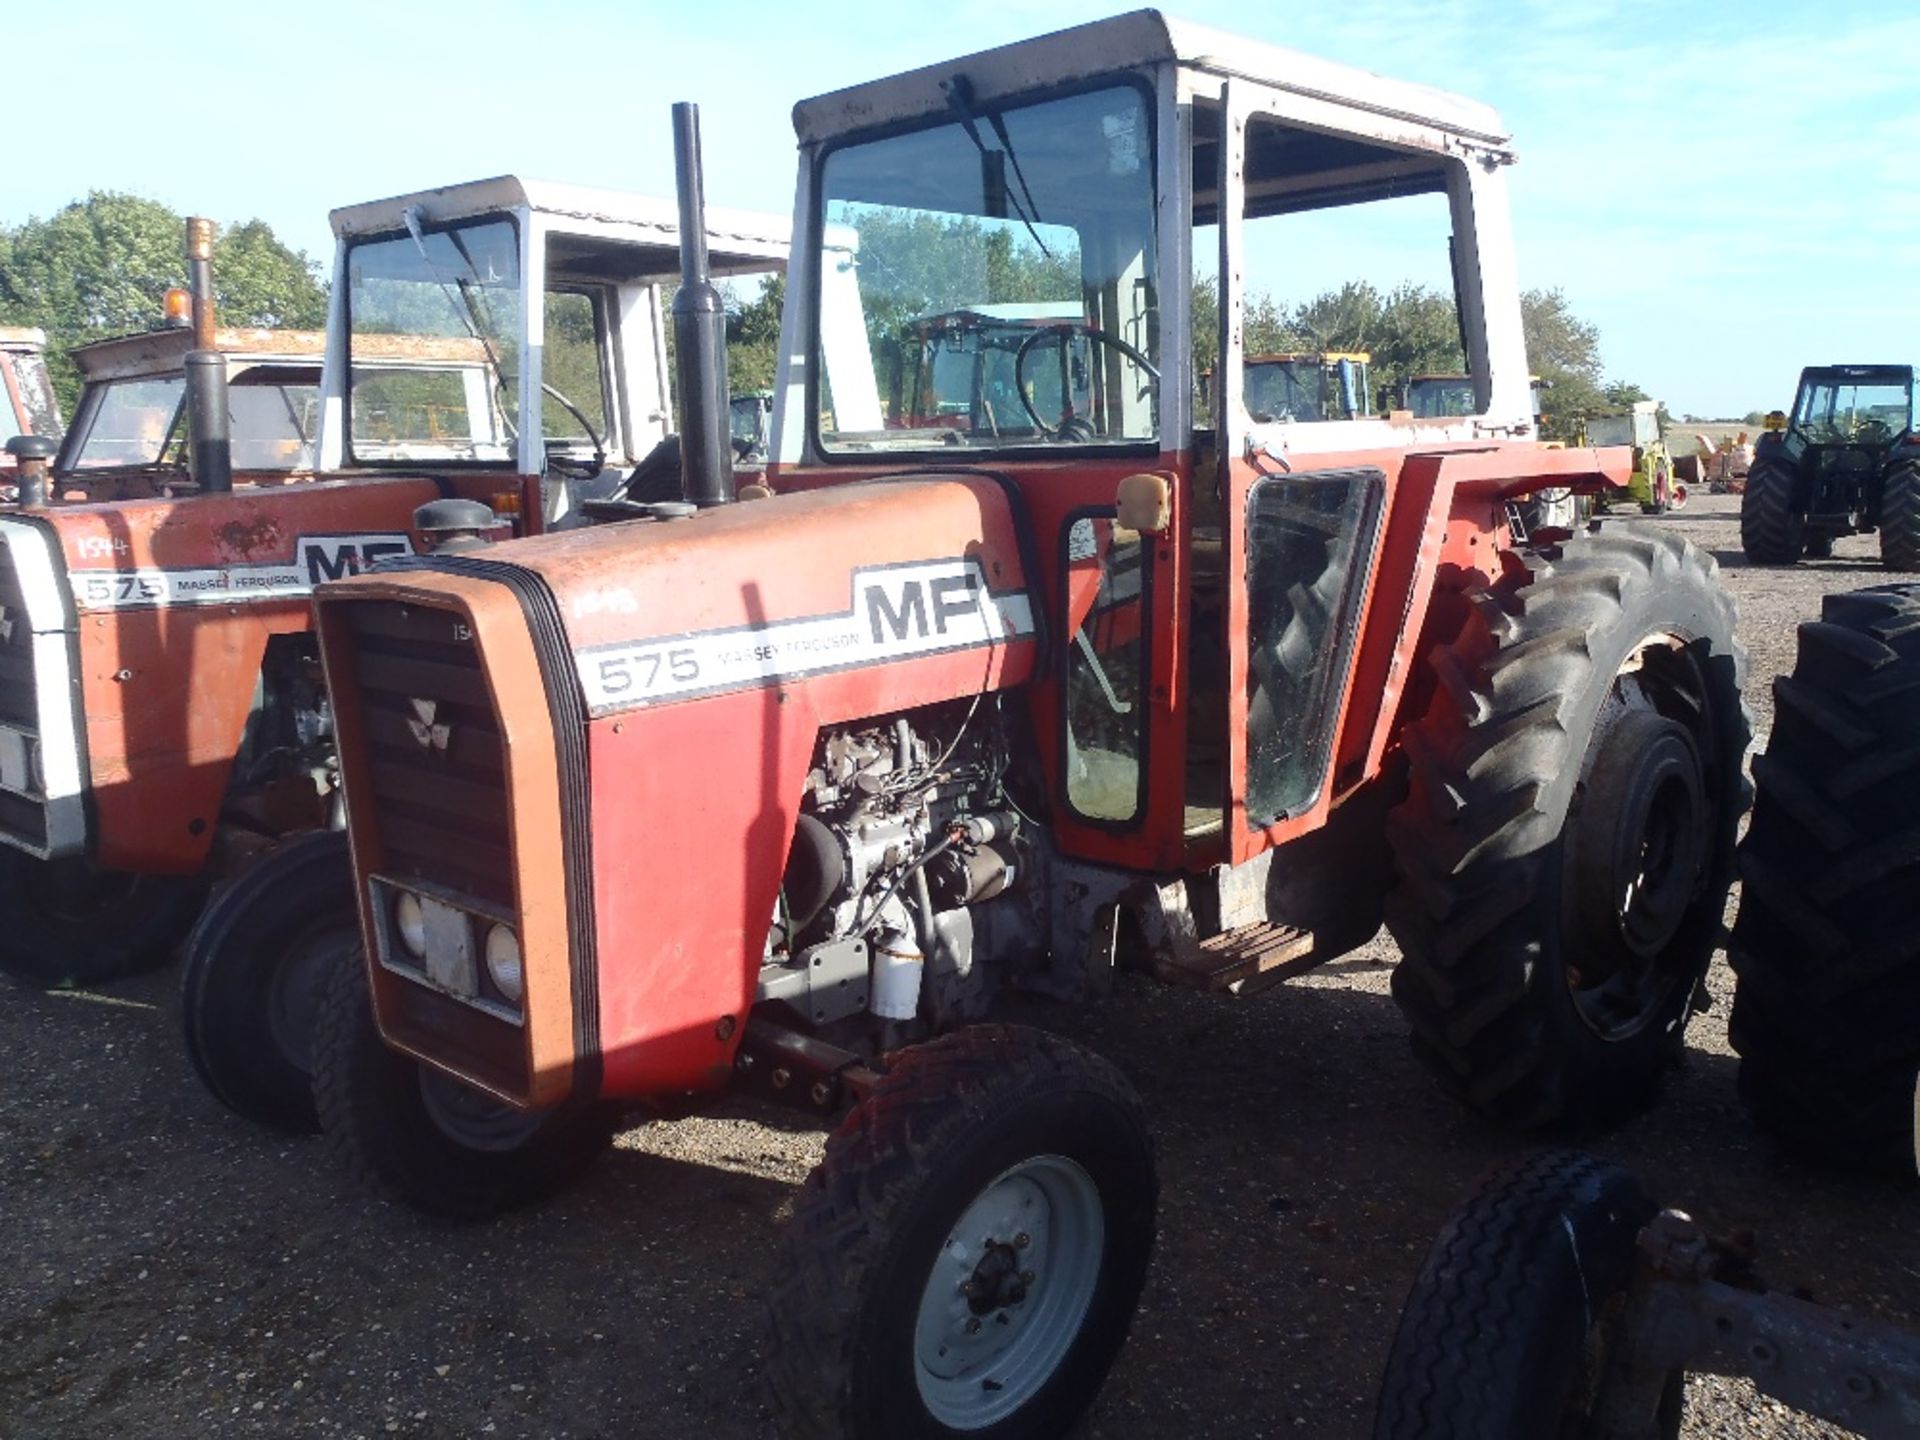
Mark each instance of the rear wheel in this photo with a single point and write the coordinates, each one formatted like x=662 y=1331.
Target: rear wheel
x=1827 y=942
x=68 y=922
x=412 y=1133
x=967 y=1257
x=1772 y=532
x=1566 y=843
x=1900 y=517
x=1508 y=1330
x=257 y=968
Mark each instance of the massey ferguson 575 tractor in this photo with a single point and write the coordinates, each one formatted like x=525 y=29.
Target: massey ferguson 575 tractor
x=781 y=791
x=162 y=715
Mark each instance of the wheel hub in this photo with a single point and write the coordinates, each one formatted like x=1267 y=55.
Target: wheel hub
x=1008 y=1292
x=1638 y=850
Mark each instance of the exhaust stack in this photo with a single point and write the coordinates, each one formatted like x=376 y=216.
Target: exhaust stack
x=209 y=427
x=699 y=333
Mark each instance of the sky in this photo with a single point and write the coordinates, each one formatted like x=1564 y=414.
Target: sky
x=1729 y=191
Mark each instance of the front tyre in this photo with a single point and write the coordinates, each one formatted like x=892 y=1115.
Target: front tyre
x=1508 y=1330
x=68 y=922
x=412 y=1133
x=967 y=1258
x=1772 y=531
x=1900 y=517
x=256 y=969
x=1566 y=844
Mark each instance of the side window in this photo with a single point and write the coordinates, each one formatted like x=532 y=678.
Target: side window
x=572 y=367
x=1106 y=669
x=1350 y=290
x=1310 y=545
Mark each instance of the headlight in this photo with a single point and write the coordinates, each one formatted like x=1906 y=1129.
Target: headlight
x=410 y=919
x=503 y=963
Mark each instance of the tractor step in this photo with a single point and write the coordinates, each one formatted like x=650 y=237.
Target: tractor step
x=1244 y=960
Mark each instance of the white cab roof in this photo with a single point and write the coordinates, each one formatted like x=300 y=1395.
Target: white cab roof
x=1144 y=37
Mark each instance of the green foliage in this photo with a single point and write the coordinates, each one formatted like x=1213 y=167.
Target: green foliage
x=100 y=266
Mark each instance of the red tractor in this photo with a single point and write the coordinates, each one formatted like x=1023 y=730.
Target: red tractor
x=782 y=793
x=163 y=720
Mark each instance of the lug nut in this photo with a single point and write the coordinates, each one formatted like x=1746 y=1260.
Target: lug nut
x=1023 y=1239
x=973 y=1325
x=782 y=1078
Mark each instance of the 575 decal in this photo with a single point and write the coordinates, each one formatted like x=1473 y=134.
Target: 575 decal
x=315 y=558
x=897 y=611
x=636 y=672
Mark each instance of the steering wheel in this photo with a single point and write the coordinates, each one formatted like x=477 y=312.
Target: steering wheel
x=1872 y=432
x=567 y=463
x=1070 y=427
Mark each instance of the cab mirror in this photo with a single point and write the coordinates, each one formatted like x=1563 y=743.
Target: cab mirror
x=1144 y=503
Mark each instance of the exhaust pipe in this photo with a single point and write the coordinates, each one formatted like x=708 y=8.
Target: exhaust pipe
x=209 y=427
x=699 y=333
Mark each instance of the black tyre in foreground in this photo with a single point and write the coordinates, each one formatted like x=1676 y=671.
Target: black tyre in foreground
x=967 y=1257
x=1566 y=844
x=1826 y=1014
x=67 y=922
x=1900 y=516
x=1772 y=532
x=411 y=1133
x=256 y=970
x=1507 y=1331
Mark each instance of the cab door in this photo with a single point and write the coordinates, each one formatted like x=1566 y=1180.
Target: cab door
x=1298 y=547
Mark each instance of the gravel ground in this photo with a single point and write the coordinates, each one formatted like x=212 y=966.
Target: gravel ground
x=177 y=1272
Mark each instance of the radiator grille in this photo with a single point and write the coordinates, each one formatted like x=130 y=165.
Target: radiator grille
x=435 y=778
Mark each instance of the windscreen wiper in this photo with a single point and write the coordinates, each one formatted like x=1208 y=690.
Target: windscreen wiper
x=460 y=296
x=960 y=94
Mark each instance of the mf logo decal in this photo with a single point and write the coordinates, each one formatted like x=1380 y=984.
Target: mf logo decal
x=898 y=611
x=315 y=558
x=430 y=736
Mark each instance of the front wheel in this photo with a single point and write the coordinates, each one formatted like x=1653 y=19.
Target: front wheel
x=1900 y=517
x=412 y=1133
x=68 y=922
x=1772 y=531
x=257 y=967
x=1566 y=844
x=1508 y=1330
x=967 y=1257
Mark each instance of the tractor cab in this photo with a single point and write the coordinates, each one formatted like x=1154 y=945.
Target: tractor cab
x=27 y=402
x=976 y=368
x=550 y=295
x=1850 y=415
x=1317 y=386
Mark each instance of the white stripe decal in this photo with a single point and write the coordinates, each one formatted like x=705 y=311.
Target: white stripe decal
x=316 y=558
x=922 y=608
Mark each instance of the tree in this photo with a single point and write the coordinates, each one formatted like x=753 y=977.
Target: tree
x=100 y=267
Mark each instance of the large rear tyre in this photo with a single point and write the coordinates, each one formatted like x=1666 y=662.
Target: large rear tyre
x=967 y=1257
x=1772 y=532
x=1566 y=843
x=411 y=1133
x=1900 y=517
x=67 y=922
x=256 y=970
x=1827 y=942
x=1509 y=1328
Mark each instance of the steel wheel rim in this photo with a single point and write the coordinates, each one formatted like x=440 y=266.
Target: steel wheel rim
x=472 y=1118
x=298 y=986
x=1020 y=1266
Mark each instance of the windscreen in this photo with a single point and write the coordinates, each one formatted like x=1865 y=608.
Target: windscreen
x=989 y=282
x=434 y=334
x=1853 y=412
x=129 y=422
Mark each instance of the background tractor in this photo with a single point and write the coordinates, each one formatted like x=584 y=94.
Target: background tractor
x=1846 y=462
x=1653 y=485
x=1322 y=385
x=782 y=794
